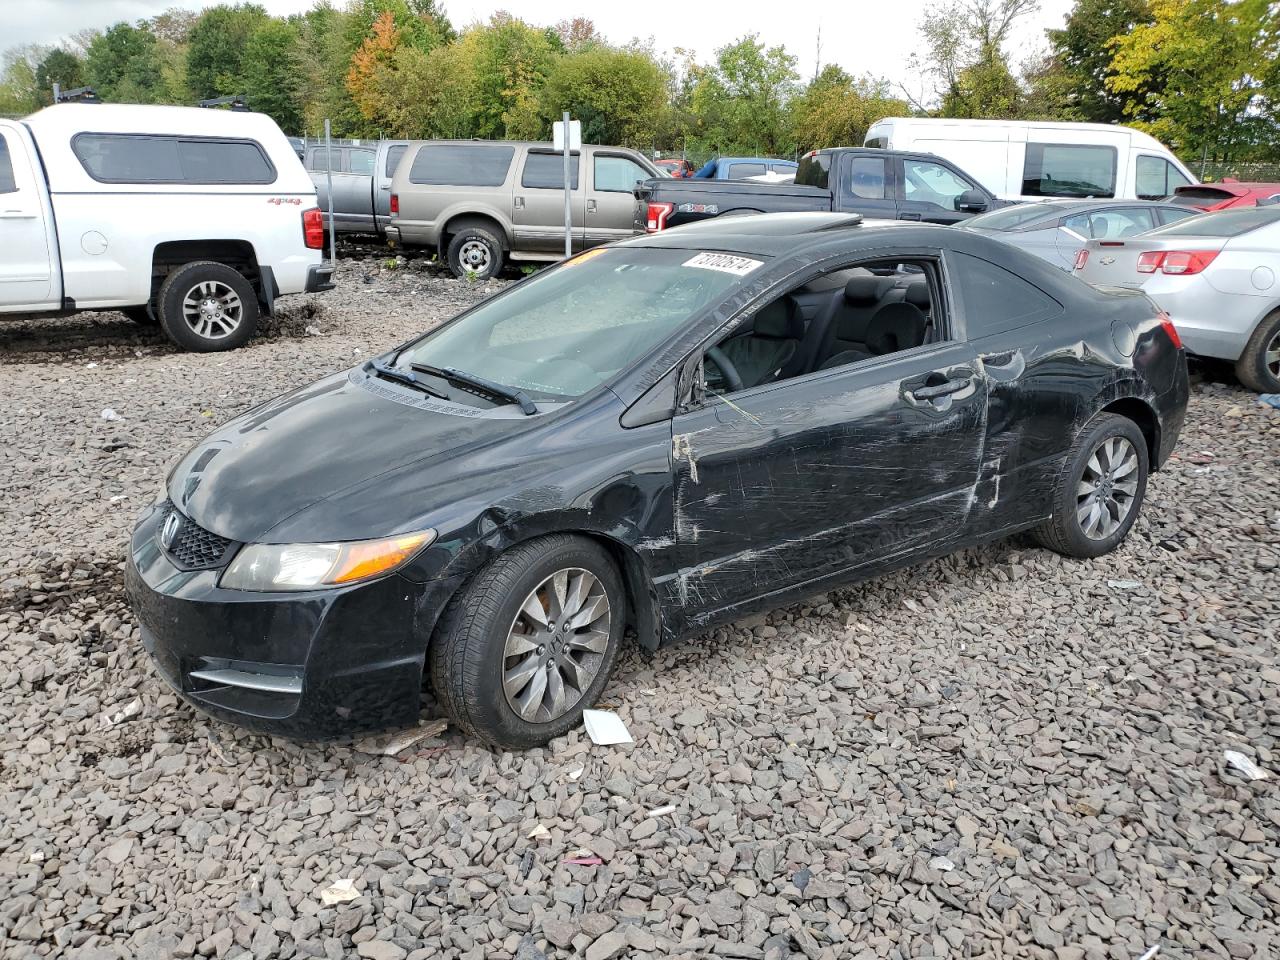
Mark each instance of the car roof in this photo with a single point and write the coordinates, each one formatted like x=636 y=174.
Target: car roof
x=753 y=160
x=774 y=234
x=68 y=119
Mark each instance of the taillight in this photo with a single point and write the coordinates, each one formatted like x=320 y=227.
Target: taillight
x=313 y=229
x=656 y=218
x=1166 y=323
x=395 y=203
x=1082 y=257
x=1175 y=262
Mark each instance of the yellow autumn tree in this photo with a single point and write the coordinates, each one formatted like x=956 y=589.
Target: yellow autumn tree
x=367 y=79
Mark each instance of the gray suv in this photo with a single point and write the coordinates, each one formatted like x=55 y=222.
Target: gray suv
x=480 y=202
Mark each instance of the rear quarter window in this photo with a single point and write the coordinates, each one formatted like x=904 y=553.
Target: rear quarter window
x=996 y=300
x=461 y=165
x=159 y=159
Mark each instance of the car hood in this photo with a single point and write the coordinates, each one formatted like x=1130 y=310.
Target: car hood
x=308 y=466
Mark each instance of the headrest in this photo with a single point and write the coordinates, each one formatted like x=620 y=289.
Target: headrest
x=864 y=291
x=779 y=320
x=918 y=294
x=894 y=327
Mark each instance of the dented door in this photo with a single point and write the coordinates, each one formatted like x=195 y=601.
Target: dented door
x=815 y=476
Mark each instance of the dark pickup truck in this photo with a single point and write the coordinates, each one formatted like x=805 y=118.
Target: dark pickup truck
x=879 y=184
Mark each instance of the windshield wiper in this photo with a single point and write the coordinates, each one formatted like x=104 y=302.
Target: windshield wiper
x=408 y=379
x=496 y=391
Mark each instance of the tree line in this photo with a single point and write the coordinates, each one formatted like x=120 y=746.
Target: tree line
x=1200 y=75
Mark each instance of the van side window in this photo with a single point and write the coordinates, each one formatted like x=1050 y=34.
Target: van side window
x=1157 y=177
x=8 y=184
x=461 y=165
x=147 y=158
x=1069 y=170
x=996 y=300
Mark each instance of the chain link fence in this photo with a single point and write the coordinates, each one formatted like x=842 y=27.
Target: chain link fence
x=1215 y=171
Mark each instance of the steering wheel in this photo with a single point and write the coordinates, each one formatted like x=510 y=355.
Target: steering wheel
x=726 y=367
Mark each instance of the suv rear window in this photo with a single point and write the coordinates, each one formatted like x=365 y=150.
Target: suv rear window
x=461 y=165
x=149 y=158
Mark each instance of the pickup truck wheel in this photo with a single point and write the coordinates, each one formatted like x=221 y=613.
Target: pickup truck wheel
x=142 y=316
x=206 y=306
x=475 y=252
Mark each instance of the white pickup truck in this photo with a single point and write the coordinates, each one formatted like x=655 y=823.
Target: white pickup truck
x=191 y=218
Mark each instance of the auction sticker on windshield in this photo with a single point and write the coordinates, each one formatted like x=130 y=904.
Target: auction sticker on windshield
x=724 y=262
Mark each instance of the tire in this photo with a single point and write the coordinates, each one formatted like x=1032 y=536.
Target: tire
x=224 y=318
x=470 y=653
x=142 y=316
x=475 y=252
x=1259 y=365
x=1101 y=531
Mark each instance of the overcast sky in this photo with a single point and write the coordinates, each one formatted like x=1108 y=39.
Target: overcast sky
x=863 y=36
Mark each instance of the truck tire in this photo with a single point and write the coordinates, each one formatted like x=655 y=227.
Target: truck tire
x=475 y=252
x=1259 y=366
x=206 y=306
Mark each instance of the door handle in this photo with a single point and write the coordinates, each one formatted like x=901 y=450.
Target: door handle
x=591 y=206
x=519 y=203
x=933 y=391
x=385 y=186
x=910 y=216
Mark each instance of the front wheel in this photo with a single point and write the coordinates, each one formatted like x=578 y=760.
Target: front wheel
x=529 y=643
x=1259 y=366
x=206 y=306
x=1100 y=489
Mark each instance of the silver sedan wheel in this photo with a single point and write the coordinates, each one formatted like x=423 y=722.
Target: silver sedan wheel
x=556 y=645
x=1271 y=357
x=1105 y=494
x=475 y=256
x=212 y=310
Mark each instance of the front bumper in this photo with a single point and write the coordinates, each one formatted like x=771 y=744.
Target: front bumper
x=315 y=665
x=319 y=278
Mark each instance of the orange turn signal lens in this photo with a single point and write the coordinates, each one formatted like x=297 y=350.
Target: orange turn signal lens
x=368 y=558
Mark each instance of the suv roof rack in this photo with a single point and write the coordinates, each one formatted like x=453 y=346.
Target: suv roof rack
x=76 y=95
x=237 y=102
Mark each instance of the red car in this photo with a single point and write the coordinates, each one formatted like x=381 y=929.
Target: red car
x=676 y=167
x=1220 y=196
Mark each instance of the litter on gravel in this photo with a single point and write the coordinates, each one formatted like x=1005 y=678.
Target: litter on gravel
x=341 y=891
x=392 y=744
x=1244 y=766
x=605 y=728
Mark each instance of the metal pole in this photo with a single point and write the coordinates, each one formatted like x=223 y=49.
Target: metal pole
x=57 y=92
x=568 y=205
x=328 y=173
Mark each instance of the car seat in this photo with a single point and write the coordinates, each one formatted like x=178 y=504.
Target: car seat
x=765 y=351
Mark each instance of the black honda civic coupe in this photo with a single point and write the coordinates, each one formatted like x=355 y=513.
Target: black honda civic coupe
x=653 y=437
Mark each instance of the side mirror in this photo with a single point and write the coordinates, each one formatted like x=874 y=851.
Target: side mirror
x=971 y=201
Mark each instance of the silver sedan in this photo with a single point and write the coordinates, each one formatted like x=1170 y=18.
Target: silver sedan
x=1055 y=229
x=1217 y=275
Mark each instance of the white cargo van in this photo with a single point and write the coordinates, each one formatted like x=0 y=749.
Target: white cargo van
x=1028 y=160
x=194 y=219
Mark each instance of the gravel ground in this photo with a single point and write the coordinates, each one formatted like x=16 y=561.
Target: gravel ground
x=997 y=754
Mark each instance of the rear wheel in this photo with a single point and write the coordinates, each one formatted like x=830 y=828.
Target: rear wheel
x=475 y=252
x=206 y=306
x=1259 y=366
x=1100 y=489
x=529 y=643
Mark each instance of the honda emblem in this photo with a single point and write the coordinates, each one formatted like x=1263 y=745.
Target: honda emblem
x=169 y=532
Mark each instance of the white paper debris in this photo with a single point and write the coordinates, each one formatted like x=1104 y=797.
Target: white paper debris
x=109 y=414
x=1244 y=766
x=605 y=728
x=577 y=772
x=1123 y=584
x=942 y=864
x=399 y=742
x=342 y=891
x=538 y=832
x=37 y=856
x=662 y=811
x=127 y=712
x=1150 y=954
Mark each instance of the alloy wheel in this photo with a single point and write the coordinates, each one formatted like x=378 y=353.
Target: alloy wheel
x=1106 y=492
x=475 y=256
x=212 y=310
x=1271 y=356
x=556 y=645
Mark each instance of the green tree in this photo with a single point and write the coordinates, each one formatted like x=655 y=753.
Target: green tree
x=60 y=67
x=965 y=41
x=20 y=92
x=123 y=65
x=617 y=94
x=513 y=60
x=836 y=109
x=1083 y=51
x=739 y=102
x=1215 y=63
x=270 y=74
x=216 y=48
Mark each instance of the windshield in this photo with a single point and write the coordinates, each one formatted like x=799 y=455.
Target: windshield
x=1224 y=223
x=1011 y=218
x=573 y=327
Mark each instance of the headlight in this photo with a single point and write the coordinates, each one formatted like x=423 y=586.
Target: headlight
x=309 y=566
